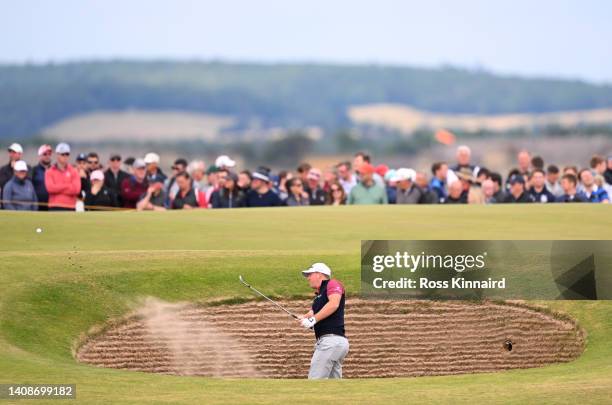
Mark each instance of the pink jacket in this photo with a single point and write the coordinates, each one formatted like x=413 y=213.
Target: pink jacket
x=63 y=186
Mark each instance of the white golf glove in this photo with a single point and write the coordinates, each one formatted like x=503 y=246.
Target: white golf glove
x=308 y=323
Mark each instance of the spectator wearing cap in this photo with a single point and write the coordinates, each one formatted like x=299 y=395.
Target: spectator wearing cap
x=81 y=166
x=212 y=179
x=224 y=162
x=516 y=192
x=170 y=186
x=407 y=190
x=316 y=195
x=552 y=181
x=464 y=161
x=390 y=186
x=187 y=197
x=538 y=189
x=154 y=173
x=38 y=175
x=570 y=194
x=229 y=195
x=346 y=177
x=154 y=199
x=99 y=196
x=114 y=177
x=260 y=194
x=439 y=171
x=15 y=151
x=62 y=181
x=19 y=193
x=591 y=191
x=135 y=185
x=456 y=195
x=367 y=191
x=336 y=194
x=297 y=197
x=429 y=196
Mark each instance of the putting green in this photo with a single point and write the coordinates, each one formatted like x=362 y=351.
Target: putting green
x=83 y=269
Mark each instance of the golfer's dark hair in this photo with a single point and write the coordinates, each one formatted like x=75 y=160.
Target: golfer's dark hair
x=536 y=171
x=345 y=163
x=364 y=156
x=93 y=155
x=247 y=173
x=304 y=167
x=571 y=178
x=497 y=178
x=537 y=162
x=596 y=160
x=437 y=166
x=552 y=169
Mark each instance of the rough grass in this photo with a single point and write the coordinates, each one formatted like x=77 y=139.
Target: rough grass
x=85 y=269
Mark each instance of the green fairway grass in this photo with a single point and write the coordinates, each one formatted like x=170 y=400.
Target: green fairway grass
x=84 y=269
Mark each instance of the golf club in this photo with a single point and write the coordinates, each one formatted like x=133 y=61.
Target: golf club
x=269 y=299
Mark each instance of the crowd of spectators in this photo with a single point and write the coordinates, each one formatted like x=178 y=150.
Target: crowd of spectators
x=56 y=183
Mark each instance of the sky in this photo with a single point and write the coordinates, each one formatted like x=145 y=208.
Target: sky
x=561 y=38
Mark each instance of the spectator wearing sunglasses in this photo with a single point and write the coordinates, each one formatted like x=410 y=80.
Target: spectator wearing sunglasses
x=297 y=196
x=114 y=176
x=336 y=194
x=38 y=175
x=62 y=181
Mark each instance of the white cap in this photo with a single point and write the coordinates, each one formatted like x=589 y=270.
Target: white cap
x=317 y=268
x=96 y=175
x=151 y=158
x=139 y=164
x=20 y=166
x=404 y=174
x=15 y=147
x=62 y=148
x=224 y=161
x=44 y=149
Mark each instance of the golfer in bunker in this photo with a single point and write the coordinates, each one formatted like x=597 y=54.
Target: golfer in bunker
x=327 y=319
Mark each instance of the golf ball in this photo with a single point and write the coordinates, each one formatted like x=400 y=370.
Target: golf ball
x=38 y=230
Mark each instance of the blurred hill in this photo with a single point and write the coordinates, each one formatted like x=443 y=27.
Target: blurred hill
x=34 y=98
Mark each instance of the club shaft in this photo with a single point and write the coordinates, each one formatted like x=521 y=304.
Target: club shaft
x=269 y=299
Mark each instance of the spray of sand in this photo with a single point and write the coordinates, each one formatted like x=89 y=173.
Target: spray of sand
x=196 y=347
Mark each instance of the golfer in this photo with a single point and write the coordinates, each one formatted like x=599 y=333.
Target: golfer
x=327 y=319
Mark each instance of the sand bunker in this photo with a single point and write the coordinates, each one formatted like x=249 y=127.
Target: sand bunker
x=387 y=338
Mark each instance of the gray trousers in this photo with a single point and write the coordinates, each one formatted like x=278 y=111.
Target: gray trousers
x=329 y=353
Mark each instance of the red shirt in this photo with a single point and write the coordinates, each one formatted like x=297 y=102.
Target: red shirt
x=63 y=186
